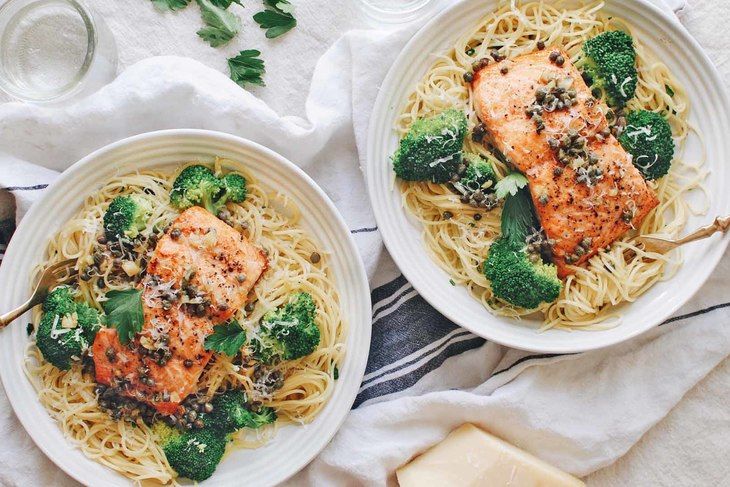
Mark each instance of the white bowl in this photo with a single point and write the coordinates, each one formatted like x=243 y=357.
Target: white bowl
x=402 y=235
x=294 y=446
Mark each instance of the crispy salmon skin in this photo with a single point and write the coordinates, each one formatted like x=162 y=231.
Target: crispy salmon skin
x=581 y=217
x=200 y=273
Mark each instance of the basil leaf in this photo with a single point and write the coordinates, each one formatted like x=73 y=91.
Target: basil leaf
x=247 y=67
x=221 y=25
x=227 y=338
x=124 y=312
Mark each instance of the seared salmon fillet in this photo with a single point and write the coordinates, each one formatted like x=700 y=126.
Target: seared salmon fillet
x=199 y=275
x=580 y=214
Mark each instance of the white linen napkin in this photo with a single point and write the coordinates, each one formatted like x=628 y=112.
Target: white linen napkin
x=425 y=375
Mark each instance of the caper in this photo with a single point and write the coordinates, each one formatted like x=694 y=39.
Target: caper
x=468 y=76
x=315 y=258
x=540 y=45
x=553 y=56
x=447 y=215
x=175 y=233
x=504 y=70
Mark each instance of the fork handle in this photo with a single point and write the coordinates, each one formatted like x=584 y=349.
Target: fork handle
x=721 y=224
x=7 y=318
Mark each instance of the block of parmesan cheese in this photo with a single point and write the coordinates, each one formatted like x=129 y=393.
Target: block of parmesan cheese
x=470 y=456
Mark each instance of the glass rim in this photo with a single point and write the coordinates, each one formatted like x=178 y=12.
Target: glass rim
x=7 y=85
x=394 y=15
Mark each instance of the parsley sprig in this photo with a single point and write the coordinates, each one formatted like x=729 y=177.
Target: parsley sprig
x=227 y=338
x=247 y=68
x=221 y=25
x=124 y=312
x=171 y=4
x=277 y=18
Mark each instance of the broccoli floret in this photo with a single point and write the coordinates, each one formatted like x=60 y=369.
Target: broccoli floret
x=196 y=186
x=234 y=189
x=648 y=138
x=60 y=301
x=610 y=63
x=126 y=216
x=288 y=332
x=66 y=329
x=609 y=42
x=230 y=413
x=478 y=173
x=431 y=150
x=89 y=320
x=516 y=277
x=194 y=454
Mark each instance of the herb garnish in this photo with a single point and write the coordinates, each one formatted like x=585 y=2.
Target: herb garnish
x=124 y=312
x=277 y=19
x=509 y=185
x=221 y=25
x=247 y=67
x=225 y=3
x=171 y=4
x=227 y=338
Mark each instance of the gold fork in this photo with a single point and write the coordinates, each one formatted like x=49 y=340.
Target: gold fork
x=662 y=246
x=59 y=273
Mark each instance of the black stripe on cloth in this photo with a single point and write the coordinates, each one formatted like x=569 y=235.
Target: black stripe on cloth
x=670 y=320
x=26 y=188
x=405 y=381
x=418 y=355
x=364 y=230
x=387 y=289
x=412 y=327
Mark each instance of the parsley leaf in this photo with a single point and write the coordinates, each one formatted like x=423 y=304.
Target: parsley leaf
x=277 y=18
x=124 y=312
x=221 y=25
x=247 y=67
x=509 y=185
x=227 y=338
x=171 y=4
x=225 y=3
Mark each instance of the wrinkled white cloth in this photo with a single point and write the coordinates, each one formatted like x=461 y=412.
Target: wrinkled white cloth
x=580 y=412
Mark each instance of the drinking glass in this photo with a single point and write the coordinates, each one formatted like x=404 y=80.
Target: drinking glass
x=52 y=51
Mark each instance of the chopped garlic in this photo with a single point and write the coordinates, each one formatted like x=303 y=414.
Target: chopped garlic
x=131 y=268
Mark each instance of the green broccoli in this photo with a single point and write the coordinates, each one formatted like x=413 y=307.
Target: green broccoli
x=234 y=189
x=67 y=328
x=198 y=186
x=609 y=63
x=194 y=454
x=648 y=138
x=478 y=173
x=517 y=277
x=126 y=216
x=431 y=150
x=288 y=332
x=230 y=413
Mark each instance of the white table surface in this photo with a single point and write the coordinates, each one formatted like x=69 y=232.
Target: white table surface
x=691 y=446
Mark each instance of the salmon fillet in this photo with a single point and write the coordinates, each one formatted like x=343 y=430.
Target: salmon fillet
x=208 y=269
x=581 y=218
